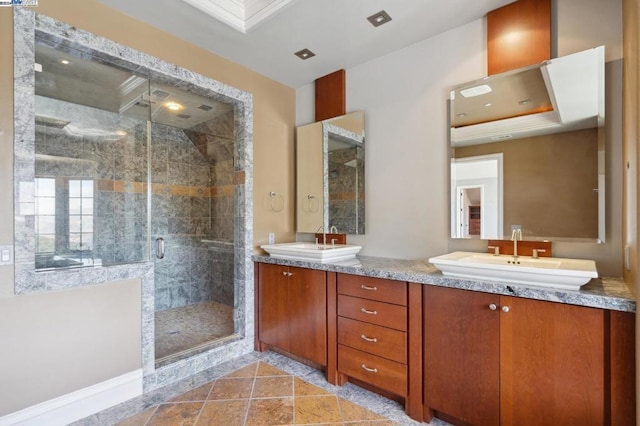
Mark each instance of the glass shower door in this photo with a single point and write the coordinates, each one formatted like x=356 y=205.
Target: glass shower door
x=192 y=205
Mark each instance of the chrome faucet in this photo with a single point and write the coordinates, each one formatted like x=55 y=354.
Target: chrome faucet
x=333 y=230
x=322 y=229
x=516 y=233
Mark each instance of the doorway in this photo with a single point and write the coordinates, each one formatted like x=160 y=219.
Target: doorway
x=476 y=197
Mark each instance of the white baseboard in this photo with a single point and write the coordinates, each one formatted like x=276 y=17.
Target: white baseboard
x=79 y=404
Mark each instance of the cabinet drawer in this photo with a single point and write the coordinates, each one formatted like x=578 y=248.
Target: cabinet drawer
x=377 y=340
x=371 y=311
x=380 y=372
x=373 y=288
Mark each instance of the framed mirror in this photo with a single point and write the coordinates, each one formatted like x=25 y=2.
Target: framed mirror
x=330 y=175
x=527 y=148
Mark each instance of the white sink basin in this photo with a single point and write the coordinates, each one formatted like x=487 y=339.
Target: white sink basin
x=312 y=252
x=554 y=272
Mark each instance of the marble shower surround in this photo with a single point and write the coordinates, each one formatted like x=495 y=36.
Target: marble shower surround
x=26 y=25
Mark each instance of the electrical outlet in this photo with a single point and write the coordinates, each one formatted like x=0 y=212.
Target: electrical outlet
x=515 y=227
x=6 y=255
x=272 y=238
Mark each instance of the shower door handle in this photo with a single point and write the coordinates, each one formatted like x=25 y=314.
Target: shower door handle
x=160 y=246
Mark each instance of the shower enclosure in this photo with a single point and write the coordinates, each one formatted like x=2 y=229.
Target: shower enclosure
x=130 y=168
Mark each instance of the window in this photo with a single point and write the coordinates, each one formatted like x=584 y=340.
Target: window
x=45 y=220
x=80 y=215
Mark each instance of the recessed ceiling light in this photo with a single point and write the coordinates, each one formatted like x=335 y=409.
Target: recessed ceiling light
x=304 y=54
x=525 y=101
x=488 y=104
x=173 y=106
x=475 y=91
x=379 y=18
x=461 y=115
x=64 y=61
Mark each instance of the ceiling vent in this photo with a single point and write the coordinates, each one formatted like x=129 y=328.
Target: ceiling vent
x=161 y=94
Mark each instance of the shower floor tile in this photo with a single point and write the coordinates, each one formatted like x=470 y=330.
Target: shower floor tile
x=181 y=329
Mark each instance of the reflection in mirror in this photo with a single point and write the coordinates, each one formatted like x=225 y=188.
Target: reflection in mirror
x=525 y=156
x=330 y=175
x=86 y=144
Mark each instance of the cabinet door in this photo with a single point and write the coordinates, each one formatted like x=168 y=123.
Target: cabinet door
x=461 y=351
x=308 y=314
x=552 y=363
x=273 y=300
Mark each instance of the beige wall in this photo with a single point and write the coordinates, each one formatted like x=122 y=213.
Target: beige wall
x=631 y=135
x=547 y=179
x=583 y=24
x=310 y=213
x=56 y=343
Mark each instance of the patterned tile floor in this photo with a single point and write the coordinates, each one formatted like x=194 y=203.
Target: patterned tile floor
x=180 y=329
x=272 y=383
x=258 y=394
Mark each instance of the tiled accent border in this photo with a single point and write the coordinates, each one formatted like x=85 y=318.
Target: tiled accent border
x=26 y=25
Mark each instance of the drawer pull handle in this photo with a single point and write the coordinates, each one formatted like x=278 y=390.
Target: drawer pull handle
x=366 y=287
x=370 y=370
x=369 y=339
x=365 y=311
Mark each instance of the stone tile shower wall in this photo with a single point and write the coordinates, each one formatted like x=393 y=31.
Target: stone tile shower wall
x=192 y=209
x=346 y=190
x=217 y=142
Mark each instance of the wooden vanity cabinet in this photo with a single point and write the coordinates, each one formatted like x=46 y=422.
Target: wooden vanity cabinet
x=292 y=311
x=379 y=336
x=501 y=360
x=461 y=355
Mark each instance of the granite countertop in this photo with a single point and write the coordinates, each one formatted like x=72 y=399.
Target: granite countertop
x=605 y=293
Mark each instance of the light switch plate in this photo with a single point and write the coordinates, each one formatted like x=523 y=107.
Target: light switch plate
x=6 y=255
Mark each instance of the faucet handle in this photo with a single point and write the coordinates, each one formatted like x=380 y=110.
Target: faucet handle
x=536 y=251
x=496 y=250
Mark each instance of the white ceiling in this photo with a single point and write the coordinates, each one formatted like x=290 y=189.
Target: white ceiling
x=337 y=31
